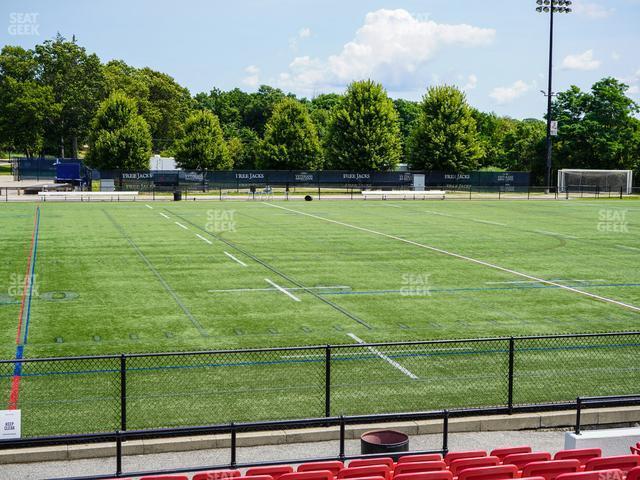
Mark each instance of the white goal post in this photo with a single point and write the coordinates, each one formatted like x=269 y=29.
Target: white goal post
x=578 y=180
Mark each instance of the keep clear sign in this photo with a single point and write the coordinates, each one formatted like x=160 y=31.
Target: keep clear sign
x=9 y=424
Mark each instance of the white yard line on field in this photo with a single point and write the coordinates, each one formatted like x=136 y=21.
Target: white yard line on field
x=626 y=247
x=148 y=206
x=181 y=225
x=552 y=280
x=391 y=362
x=164 y=215
x=204 y=239
x=463 y=257
x=288 y=294
x=556 y=234
x=488 y=222
x=234 y=259
x=232 y=290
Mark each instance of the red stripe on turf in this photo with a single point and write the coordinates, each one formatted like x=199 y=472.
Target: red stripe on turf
x=15 y=382
x=26 y=279
x=15 y=391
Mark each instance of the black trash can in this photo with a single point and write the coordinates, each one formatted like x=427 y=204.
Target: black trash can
x=177 y=196
x=384 y=441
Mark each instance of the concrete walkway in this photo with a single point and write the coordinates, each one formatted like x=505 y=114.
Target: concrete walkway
x=549 y=440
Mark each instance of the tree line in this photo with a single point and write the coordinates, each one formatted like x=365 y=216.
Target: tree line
x=60 y=100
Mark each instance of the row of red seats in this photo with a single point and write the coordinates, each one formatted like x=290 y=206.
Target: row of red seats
x=501 y=464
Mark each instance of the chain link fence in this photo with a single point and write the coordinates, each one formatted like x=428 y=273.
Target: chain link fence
x=145 y=391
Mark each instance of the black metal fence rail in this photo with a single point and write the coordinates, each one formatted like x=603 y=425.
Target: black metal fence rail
x=119 y=437
x=78 y=395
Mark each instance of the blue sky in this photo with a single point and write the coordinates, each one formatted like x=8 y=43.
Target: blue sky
x=496 y=51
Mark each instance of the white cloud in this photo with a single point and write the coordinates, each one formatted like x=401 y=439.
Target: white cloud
x=472 y=82
x=304 y=32
x=391 y=47
x=508 y=94
x=592 y=10
x=634 y=83
x=581 y=61
x=616 y=56
x=253 y=79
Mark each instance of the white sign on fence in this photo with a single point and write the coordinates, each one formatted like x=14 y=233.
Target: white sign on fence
x=9 y=424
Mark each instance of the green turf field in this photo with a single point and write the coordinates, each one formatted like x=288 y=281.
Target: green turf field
x=136 y=277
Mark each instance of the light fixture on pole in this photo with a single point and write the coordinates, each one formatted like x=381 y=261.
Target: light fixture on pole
x=551 y=7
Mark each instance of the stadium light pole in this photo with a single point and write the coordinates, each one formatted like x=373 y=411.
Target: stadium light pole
x=551 y=7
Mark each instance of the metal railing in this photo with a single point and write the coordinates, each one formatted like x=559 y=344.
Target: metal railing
x=586 y=402
x=120 y=437
x=77 y=395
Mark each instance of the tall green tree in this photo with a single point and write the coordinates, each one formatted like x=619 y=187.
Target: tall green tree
x=364 y=133
x=163 y=103
x=290 y=139
x=597 y=129
x=445 y=137
x=202 y=145
x=320 y=109
x=119 y=138
x=76 y=80
x=169 y=106
x=523 y=147
x=28 y=107
x=408 y=113
x=260 y=108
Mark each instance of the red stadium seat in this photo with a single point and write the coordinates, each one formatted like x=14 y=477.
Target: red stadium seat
x=450 y=457
x=613 y=474
x=165 y=477
x=582 y=454
x=366 y=471
x=217 y=475
x=551 y=469
x=275 y=471
x=521 y=459
x=425 y=457
x=503 y=452
x=499 y=472
x=333 y=466
x=311 y=475
x=622 y=462
x=365 y=462
x=633 y=474
x=636 y=450
x=462 y=464
x=417 y=467
x=254 y=477
x=436 y=475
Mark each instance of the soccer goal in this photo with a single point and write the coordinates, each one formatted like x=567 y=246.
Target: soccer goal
x=584 y=180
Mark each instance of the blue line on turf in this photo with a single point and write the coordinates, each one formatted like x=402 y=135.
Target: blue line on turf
x=31 y=280
x=17 y=369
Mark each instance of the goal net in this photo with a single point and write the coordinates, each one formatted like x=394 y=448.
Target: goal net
x=580 y=180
